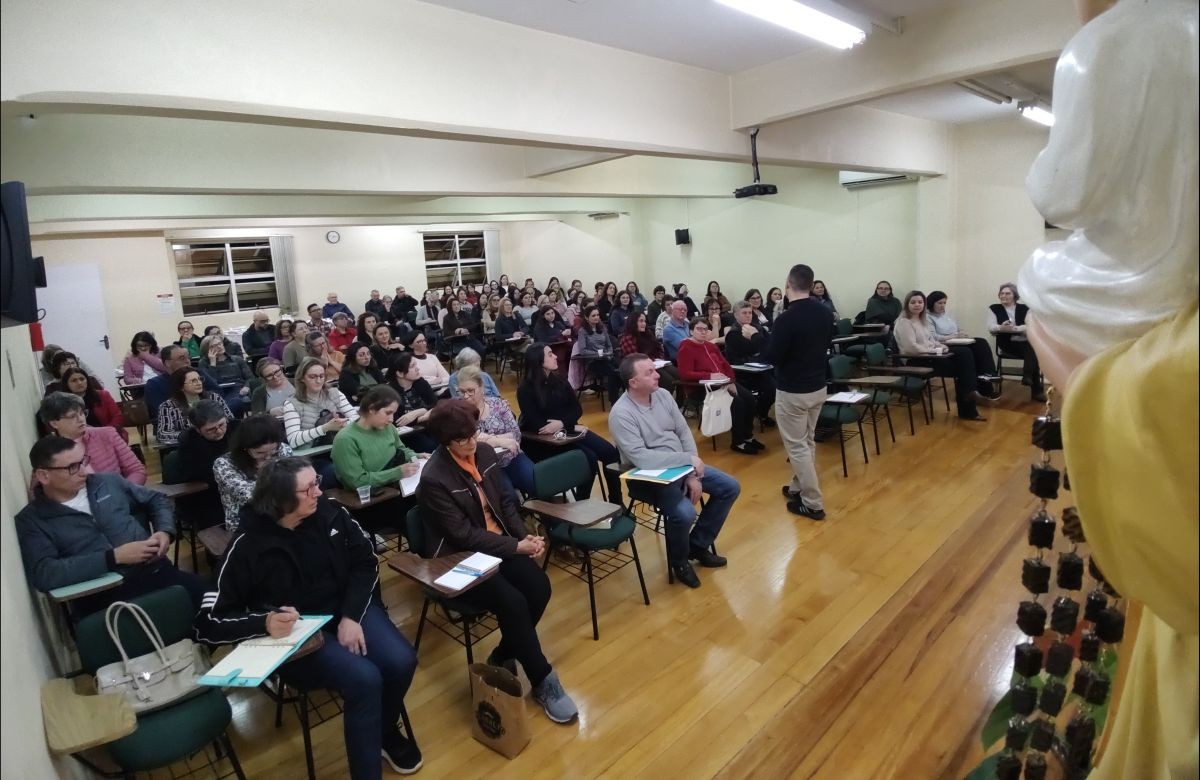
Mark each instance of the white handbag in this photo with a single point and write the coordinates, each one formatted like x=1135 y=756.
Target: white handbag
x=716 y=416
x=156 y=679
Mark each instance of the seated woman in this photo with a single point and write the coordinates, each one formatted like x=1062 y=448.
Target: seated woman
x=548 y=326
x=943 y=327
x=466 y=506
x=142 y=363
x=511 y=329
x=775 y=303
x=821 y=293
x=317 y=347
x=299 y=553
x=360 y=372
x=1006 y=321
x=384 y=348
x=621 y=312
x=498 y=428
x=528 y=310
x=65 y=414
x=316 y=410
x=232 y=373
x=205 y=440
x=417 y=400
x=283 y=336
x=913 y=339
x=488 y=314
x=469 y=357
x=743 y=343
x=458 y=327
x=431 y=368
x=883 y=307
x=700 y=360
x=655 y=307
x=714 y=293
x=273 y=391
x=638 y=337
x=548 y=405
x=296 y=349
x=429 y=315
x=635 y=295
x=102 y=410
x=258 y=439
x=718 y=321
x=364 y=328
x=368 y=452
x=555 y=300
x=188 y=339
x=759 y=317
x=232 y=348
x=597 y=349
x=187 y=389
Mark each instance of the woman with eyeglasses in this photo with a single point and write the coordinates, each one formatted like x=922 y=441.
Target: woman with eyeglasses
x=274 y=390
x=317 y=347
x=883 y=307
x=102 y=410
x=466 y=505
x=699 y=360
x=65 y=415
x=142 y=362
x=431 y=368
x=316 y=410
x=498 y=428
x=758 y=314
x=299 y=553
x=231 y=372
x=187 y=389
x=714 y=293
x=257 y=440
x=188 y=339
x=283 y=336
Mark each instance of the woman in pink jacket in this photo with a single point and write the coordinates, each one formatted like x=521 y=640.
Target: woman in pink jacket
x=142 y=363
x=66 y=415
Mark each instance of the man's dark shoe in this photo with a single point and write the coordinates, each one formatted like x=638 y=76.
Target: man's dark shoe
x=686 y=574
x=798 y=507
x=753 y=442
x=707 y=558
x=401 y=753
x=788 y=494
x=767 y=422
x=745 y=448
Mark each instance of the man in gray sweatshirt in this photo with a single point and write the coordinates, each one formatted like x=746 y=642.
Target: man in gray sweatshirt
x=651 y=433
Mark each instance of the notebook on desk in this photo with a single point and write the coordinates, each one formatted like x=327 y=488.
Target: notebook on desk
x=660 y=476
x=254 y=660
x=408 y=485
x=470 y=569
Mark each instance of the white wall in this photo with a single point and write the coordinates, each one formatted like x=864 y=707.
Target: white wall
x=577 y=247
x=24 y=661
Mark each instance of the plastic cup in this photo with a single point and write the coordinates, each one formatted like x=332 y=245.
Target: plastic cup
x=364 y=493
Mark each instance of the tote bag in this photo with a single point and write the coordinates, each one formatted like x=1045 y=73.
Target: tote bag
x=716 y=416
x=158 y=678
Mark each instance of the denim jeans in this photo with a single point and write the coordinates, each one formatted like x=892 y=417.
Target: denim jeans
x=520 y=473
x=680 y=513
x=372 y=687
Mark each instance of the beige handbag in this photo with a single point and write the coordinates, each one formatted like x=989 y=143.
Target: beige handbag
x=156 y=679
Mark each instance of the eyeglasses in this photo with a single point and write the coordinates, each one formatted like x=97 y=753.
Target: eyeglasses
x=216 y=427
x=313 y=490
x=273 y=374
x=70 y=468
x=75 y=416
x=320 y=376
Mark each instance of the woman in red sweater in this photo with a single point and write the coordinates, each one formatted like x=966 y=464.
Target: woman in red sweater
x=102 y=410
x=699 y=360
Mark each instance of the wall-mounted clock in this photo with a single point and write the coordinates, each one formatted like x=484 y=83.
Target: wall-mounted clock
x=333 y=236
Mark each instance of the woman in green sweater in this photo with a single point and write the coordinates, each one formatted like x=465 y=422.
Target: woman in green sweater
x=369 y=450
x=883 y=307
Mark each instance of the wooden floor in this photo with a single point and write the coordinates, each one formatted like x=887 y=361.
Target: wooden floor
x=871 y=645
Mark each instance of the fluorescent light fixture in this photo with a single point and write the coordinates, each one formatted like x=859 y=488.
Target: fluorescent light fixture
x=802 y=19
x=1037 y=114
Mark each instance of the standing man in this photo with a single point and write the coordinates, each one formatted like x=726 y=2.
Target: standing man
x=676 y=329
x=651 y=433
x=257 y=338
x=332 y=306
x=376 y=306
x=798 y=347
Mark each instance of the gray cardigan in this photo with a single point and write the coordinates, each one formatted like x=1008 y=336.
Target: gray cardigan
x=651 y=438
x=61 y=546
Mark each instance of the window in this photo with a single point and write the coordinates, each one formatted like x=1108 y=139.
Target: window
x=454 y=259
x=228 y=276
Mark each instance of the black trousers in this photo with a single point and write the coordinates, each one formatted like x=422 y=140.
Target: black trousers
x=742 y=411
x=140 y=580
x=518 y=594
x=961 y=366
x=1032 y=371
x=764 y=385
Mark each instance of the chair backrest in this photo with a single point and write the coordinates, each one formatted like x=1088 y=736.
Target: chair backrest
x=135 y=412
x=841 y=367
x=414 y=529
x=172 y=468
x=561 y=474
x=845 y=327
x=170 y=609
x=876 y=354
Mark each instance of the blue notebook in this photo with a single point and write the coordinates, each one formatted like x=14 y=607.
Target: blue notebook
x=661 y=476
x=254 y=660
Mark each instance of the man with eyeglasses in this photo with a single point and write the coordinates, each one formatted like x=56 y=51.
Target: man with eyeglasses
x=81 y=525
x=257 y=339
x=158 y=389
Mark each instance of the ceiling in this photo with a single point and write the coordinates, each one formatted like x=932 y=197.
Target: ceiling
x=701 y=33
x=952 y=104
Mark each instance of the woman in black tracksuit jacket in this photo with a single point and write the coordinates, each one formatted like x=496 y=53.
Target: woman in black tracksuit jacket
x=300 y=553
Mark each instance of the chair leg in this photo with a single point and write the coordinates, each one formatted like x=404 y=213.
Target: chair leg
x=279 y=703
x=912 y=429
x=192 y=548
x=421 y=625
x=225 y=742
x=408 y=729
x=875 y=427
x=587 y=567
x=302 y=708
x=945 y=394
x=862 y=439
x=887 y=410
x=466 y=623
x=637 y=562
x=549 y=552
x=842 y=444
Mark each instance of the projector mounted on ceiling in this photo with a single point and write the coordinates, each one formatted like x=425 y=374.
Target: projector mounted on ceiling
x=757 y=188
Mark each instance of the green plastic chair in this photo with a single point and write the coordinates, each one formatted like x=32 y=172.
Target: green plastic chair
x=844 y=327
x=185 y=510
x=562 y=475
x=838 y=416
x=174 y=732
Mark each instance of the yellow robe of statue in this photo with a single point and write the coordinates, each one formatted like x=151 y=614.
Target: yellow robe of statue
x=1130 y=434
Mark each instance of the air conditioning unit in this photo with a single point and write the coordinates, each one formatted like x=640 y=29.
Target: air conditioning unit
x=853 y=180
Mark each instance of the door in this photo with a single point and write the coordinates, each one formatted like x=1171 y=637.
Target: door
x=73 y=300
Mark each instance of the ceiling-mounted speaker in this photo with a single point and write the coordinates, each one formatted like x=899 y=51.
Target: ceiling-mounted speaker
x=682 y=236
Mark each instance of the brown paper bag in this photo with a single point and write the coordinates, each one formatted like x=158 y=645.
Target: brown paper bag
x=498 y=716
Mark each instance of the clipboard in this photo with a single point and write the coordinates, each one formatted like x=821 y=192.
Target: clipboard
x=252 y=662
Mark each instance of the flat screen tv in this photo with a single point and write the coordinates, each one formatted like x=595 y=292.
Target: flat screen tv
x=20 y=272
